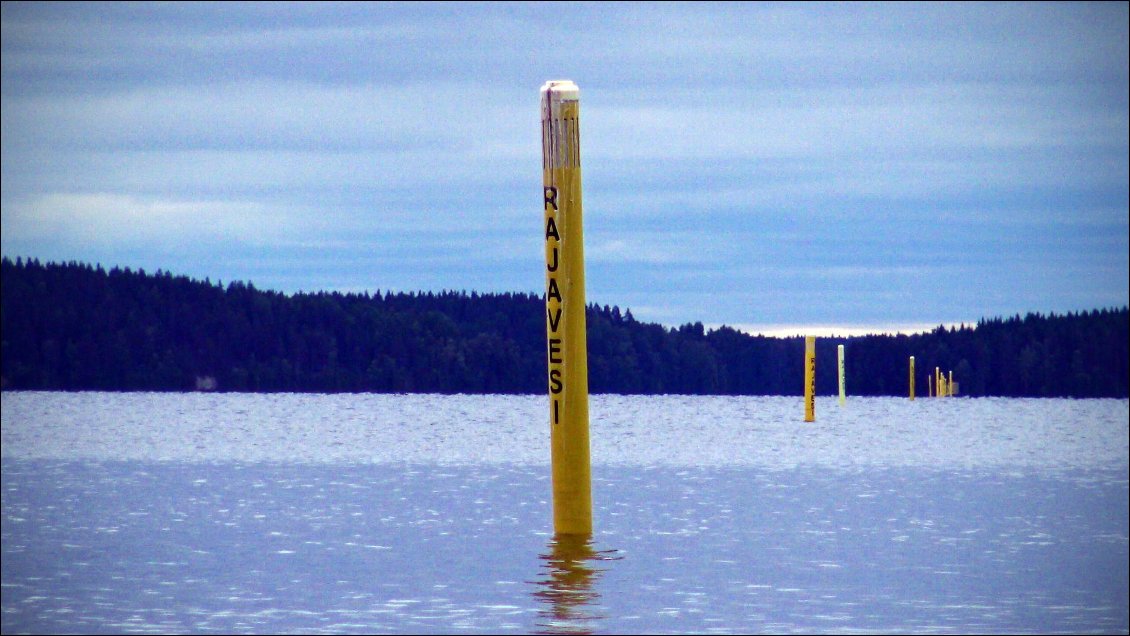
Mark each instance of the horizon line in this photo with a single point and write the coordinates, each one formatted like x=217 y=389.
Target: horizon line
x=840 y=330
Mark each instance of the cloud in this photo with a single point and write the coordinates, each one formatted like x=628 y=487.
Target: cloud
x=649 y=248
x=456 y=119
x=733 y=153
x=101 y=219
x=919 y=122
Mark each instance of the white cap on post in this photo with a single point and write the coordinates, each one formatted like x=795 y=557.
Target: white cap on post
x=561 y=90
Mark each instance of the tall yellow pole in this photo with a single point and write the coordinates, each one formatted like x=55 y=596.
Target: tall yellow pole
x=810 y=378
x=840 y=368
x=949 y=385
x=565 y=308
x=911 y=377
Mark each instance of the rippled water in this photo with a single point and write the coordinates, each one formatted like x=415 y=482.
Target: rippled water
x=431 y=514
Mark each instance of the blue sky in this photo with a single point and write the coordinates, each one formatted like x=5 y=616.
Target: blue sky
x=798 y=167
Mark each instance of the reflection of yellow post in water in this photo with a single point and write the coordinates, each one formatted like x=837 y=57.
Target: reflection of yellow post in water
x=911 y=377
x=565 y=308
x=810 y=378
x=566 y=587
x=840 y=367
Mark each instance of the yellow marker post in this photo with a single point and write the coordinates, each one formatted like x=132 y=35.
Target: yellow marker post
x=912 y=377
x=810 y=378
x=949 y=385
x=840 y=367
x=565 y=308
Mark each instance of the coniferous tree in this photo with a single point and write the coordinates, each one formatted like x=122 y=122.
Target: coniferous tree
x=79 y=327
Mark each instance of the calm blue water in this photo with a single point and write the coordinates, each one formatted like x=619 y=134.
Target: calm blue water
x=431 y=514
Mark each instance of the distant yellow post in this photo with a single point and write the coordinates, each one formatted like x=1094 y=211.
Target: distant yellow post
x=840 y=368
x=911 y=377
x=939 y=390
x=930 y=385
x=565 y=308
x=810 y=378
x=949 y=385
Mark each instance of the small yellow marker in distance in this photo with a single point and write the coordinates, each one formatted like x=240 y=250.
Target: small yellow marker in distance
x=565 y=308
x=911 y=377
x=810 y=378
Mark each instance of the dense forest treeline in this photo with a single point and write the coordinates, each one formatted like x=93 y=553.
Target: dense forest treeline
x=76 y=326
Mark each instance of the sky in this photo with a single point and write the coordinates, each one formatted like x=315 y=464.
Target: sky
x=780 y=168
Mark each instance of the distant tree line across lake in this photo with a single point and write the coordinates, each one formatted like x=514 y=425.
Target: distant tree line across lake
x=72 y=326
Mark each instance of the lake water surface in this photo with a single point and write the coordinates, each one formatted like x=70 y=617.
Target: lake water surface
x=127 y=512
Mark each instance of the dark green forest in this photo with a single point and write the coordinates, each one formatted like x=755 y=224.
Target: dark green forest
x=75 y=326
